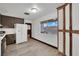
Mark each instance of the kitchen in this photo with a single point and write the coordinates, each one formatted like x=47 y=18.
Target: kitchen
x=49 y=29
x=16 y=24
x=10 y=31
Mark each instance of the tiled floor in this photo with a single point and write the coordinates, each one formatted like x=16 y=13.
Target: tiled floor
x=31 y=48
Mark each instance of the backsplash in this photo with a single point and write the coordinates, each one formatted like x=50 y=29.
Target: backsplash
x=8 y=30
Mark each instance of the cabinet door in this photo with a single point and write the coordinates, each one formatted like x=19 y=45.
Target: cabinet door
x=8 y=22
x=10 y=39
x=19 y=21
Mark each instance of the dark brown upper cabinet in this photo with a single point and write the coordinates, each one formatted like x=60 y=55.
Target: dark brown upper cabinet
x=8 y=21
x=19 y=21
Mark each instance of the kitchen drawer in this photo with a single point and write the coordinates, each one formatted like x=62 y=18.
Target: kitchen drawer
x=10 y=39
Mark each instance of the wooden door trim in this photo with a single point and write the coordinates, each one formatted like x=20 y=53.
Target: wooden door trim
x=73 y=31
x=61 y=30
x=70 y=29
x=30 y=28
x=58 y=30
x=62 y=6
x=64 y=27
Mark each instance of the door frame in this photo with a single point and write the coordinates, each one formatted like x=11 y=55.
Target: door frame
x=64 y=30
x=30 y=28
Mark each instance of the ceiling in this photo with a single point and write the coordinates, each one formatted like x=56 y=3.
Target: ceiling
x=18 y=9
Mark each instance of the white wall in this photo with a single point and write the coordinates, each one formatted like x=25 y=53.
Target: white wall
x=36 y=30
x=75 y=26
x=27 y=21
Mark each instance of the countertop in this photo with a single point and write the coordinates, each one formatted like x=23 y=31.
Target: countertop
x=7 y=31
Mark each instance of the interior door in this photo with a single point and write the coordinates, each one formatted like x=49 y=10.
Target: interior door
x=60 y=20
x=67 y=28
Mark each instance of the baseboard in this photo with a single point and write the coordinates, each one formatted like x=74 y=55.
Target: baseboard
x=44 y=43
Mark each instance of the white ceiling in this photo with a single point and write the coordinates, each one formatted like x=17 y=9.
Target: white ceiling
x=18 y=9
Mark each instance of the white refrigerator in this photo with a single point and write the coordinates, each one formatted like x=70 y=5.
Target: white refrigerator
x=21 y=33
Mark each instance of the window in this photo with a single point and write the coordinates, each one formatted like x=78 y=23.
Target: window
x=49 y=26
x=52 y=24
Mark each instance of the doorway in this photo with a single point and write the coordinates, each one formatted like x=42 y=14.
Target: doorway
x=29 y=30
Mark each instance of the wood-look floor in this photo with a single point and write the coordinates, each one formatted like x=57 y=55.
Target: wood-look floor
x=31 y=48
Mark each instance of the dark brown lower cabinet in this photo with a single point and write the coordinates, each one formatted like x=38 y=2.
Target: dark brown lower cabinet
x=10 y=39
